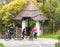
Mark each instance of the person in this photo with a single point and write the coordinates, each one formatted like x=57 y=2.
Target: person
x=23 y=33
x=9 y=34
x=11 y=30
x=35 y=32
x=6 y=36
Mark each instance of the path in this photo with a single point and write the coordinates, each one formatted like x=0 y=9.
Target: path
x=42 y=42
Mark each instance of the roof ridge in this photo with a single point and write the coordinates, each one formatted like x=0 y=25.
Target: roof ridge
x=31 y=6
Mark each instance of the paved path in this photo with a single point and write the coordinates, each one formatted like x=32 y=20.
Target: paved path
x=42 y=42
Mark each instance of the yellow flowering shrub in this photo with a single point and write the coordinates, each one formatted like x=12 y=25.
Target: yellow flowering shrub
x=38 y=4
x=12 y=9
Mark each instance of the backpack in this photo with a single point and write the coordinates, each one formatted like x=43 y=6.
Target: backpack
x=11 y=31
x=24 y=32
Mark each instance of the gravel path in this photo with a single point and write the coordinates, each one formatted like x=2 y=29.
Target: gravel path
x=40 y=42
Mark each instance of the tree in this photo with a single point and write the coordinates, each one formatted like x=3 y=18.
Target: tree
x=50 y=9
x=9 y=11
x=4 y=2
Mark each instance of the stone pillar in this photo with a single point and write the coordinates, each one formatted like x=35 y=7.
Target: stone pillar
x=39 y=31
x=26 y=23
x=18 y=32
x=23 y=24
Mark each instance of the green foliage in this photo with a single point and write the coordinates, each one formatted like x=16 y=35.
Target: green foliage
x=12 y=9
x=4 y=2
x=58 y=32
x=1 y=45
x=1 y=5
x=54 y=36
x=9 y=11
x=39 y=0
x=18 y=23
x=32 y=24
x=57 y=10
x=57 y=45
x=51 y=9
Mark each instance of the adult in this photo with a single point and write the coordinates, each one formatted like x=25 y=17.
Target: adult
x=11 y=30
x=23 y=33
x=35 y=32
x=9 y=34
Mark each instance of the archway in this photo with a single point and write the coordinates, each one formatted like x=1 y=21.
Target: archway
x=31 y=12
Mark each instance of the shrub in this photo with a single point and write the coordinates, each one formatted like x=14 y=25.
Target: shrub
x=59 y=37
x=57 y=45
x=1 y=45
x=12 y=9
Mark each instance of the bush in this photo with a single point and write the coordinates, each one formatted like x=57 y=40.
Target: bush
x=59 y=37
x=1 y=45
x=12 y=9
x=9 y=11
x=57 y=45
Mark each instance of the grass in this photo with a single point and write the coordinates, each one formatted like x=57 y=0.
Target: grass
x=1 y=45
x=57 y=45
x=54 y=36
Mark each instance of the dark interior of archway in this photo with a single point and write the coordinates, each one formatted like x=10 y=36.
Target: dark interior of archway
x=28 y=28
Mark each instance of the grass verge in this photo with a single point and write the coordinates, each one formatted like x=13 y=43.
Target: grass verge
x=57 y=45
x=54 y=36
x=1 y=45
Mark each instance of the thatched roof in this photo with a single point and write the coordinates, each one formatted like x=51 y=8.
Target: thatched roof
x=31 y=11
x=39 y=18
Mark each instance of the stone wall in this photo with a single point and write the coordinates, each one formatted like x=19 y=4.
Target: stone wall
x=18 y=32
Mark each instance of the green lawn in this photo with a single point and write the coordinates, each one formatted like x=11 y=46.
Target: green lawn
x=57 y=45
x=1 y=45
x=54 y=36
